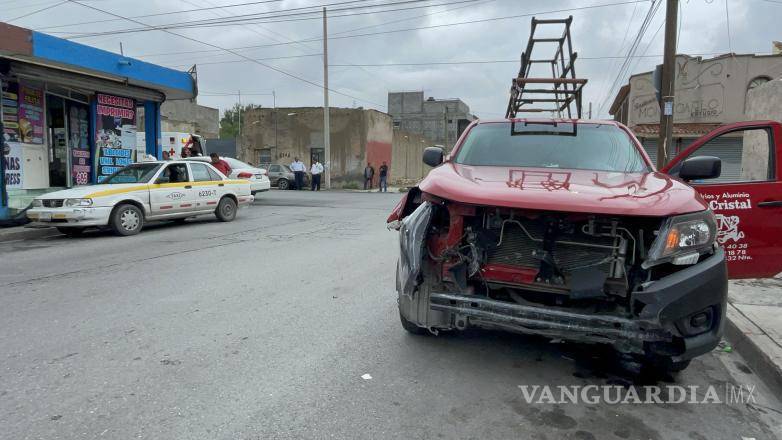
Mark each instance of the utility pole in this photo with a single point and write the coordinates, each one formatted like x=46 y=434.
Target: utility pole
x=326 y=127
x=274 y=103
x=667 y=89
x=240 y=116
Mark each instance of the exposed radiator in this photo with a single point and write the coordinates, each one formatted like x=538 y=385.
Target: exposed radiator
x=517 y=249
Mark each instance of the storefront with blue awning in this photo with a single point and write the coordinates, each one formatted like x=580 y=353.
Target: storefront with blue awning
x=71 y=113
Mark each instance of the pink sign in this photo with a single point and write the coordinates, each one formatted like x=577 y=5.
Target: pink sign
x=30 y=115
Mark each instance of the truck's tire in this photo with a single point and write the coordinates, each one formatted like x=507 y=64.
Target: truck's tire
x=226 y=209
x=127 y=220
x=283 y=184
x=412 y=328
x=676 y=367
x=70 y=232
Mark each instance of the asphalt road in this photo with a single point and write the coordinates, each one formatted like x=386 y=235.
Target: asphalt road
x=263 y=328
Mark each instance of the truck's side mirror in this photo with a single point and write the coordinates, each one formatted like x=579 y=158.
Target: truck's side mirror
x=433 y=156
x=700 y=167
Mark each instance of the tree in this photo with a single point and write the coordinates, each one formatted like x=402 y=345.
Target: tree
x=229 y=123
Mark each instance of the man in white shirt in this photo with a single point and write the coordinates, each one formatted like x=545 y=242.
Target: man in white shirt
x=298 y=169
x=316 y=170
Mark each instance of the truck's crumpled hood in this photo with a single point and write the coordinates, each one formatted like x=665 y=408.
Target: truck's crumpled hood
x=553 y=189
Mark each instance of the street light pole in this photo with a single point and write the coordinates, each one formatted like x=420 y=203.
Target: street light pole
x=667 y=89
x=326 y=126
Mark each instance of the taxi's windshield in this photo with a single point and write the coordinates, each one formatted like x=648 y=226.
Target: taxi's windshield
x=134 y=173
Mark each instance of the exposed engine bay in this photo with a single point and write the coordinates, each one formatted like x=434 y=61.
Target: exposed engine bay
x=577 y=276
x=557 y=259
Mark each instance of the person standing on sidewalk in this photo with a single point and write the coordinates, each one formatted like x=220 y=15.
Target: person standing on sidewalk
x=298 y=169
x=382 y=183
x=316 y=170
x=369 y=173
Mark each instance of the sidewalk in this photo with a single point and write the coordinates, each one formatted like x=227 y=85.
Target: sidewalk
x=754 y=326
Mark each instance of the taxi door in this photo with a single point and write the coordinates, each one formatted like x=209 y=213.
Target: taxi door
x=172 y=192
x=208 y=186
x=747 y=197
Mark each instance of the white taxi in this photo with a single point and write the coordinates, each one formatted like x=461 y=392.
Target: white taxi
x=140 y=192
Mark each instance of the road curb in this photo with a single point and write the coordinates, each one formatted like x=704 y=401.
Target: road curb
x=22 y=233
x=755 y=346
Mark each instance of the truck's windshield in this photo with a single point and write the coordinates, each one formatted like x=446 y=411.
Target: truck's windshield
x=134 y=173
x=600 y=147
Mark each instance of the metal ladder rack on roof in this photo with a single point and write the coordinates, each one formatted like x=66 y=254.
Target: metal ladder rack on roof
x=559 y=93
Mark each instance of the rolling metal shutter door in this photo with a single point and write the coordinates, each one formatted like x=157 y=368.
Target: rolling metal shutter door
x=729 y=150
x=650 y=145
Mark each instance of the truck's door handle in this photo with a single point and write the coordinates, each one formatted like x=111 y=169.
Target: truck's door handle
x=220 y=184
x=188 y=186
x=771 y=204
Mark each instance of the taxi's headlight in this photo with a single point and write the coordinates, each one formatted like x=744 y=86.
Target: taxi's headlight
x=37 y=203
x=78 y=202
x=682 y=239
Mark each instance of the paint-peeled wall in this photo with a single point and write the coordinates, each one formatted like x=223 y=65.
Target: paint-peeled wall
x=407 y=158
x=763 y=102
x=282 y=134
x=379 y=136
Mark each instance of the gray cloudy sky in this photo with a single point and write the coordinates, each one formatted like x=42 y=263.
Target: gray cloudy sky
x=597 y=33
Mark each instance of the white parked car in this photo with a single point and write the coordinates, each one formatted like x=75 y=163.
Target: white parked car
x=259 y=180
x=140 y=192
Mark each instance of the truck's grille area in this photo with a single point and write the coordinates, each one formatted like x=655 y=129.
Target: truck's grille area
x=53 y=203
x=517 y=249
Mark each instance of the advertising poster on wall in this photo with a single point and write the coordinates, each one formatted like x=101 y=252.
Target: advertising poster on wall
x=115 y=134
x=79 y=127
x=30 y=115
x=14 y=172
x=10 y=104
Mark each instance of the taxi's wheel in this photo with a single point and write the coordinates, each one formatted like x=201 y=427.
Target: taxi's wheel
x=226 y=209
x=127 y=220
x=283 y=184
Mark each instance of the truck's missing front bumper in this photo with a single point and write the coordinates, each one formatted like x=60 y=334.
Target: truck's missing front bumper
x=470 y=310
x=661 y=324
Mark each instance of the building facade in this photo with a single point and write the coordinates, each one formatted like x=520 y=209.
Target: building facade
x=186 y=116
x=70 y=113
x=441 y=120
x=278 y=135
x=709 y=93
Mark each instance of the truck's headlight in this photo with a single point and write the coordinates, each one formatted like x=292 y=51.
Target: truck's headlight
x=37 y=203
x=78 y=202
x=682 y=239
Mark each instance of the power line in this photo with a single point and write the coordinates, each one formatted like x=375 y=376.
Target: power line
x=37 y=11
x=200 y=9
x=623 y=68
x=229 y=51
x=257 y=59
x=265 y=17
x=437 y=26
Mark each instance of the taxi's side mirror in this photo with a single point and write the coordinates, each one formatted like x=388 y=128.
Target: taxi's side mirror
x=163 y=179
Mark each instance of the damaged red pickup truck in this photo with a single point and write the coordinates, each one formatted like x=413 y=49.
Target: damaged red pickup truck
x=563 y=228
